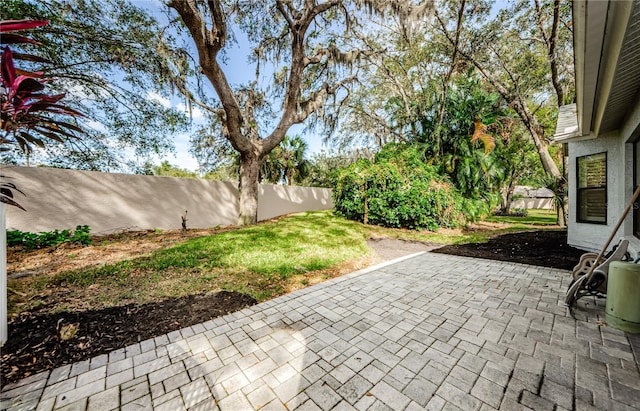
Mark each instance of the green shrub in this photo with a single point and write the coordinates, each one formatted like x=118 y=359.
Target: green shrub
x=30 y=241
x=398 y=190
x=514 y=212
x=478 y=208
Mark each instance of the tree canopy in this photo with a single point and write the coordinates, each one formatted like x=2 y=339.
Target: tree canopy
x=476 y=76
x=314 y=65
x=473 y=87
x=108 y=56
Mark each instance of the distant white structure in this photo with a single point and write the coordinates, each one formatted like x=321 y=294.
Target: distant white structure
x=530 y=197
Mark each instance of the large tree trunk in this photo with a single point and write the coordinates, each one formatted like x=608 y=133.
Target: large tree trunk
x=552 y=170
x=208 y=27
x=249 y=186
x=542 y=147
x=507 y=198
x=563 y=220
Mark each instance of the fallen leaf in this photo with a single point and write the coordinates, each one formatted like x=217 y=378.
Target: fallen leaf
x=68 y=331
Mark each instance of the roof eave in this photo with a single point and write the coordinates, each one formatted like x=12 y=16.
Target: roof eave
x=599 y=29
x=616 y=28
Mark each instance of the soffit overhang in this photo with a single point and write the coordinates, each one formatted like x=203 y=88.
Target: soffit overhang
x=607 y=69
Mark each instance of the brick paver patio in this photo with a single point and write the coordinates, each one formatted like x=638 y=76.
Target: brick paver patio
x=433 y=332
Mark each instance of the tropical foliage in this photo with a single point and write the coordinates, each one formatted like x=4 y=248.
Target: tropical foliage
x=472 y=88
x=398 y=189
x=30 y=241
x=313 y=64
x=113 y=60
x=325 y=165
x=27 y=114
x=166 y=169
x=479 y=88
x=286 y=163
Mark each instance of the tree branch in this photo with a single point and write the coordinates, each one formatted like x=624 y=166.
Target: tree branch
x=297 y=28
x=208 y=44
x=541 y=24
x=445 y=85
x=553 y=60
x=551 y=44
x=280 y=6
x=518 y=104
x=316 y=100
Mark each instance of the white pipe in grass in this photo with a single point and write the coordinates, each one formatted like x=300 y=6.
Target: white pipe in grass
x=3 y=276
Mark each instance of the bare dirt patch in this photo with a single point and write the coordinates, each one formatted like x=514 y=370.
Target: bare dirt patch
x=391 y=248
x=104 y=249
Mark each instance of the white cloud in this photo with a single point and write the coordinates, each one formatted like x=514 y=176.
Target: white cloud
x=186 y=161
x=183 y=158
x=196 y=112
x=96 y=125
x=152 y=95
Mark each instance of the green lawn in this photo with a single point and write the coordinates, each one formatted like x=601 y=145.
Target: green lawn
x=264 y=260
x=534 y=217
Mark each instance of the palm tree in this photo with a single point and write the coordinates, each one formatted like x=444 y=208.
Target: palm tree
x=286 y=162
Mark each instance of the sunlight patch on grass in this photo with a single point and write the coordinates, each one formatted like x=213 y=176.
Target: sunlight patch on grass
x=534 y=217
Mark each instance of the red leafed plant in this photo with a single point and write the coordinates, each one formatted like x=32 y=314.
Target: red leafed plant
x=28 y=114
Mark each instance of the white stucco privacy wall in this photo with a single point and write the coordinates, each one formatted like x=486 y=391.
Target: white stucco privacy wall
x=59 y=199
x=275 y=200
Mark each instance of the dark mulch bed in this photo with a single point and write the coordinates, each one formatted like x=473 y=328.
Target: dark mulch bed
x=543 y=248
x=34 y=344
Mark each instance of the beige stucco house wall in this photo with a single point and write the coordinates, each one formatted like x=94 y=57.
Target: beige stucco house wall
x=606 y=115
x=593 y=236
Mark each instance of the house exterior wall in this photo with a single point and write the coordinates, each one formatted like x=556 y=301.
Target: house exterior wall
x=620 y=189
x=590 y=236
x=61 y=199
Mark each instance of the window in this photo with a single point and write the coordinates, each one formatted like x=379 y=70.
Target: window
x=592 y=189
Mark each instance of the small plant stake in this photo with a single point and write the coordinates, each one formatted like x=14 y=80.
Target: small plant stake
x=184 y=220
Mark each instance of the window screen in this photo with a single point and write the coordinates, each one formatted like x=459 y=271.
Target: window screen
x=592 y=188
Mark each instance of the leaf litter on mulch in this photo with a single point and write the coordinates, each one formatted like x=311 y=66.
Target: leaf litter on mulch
x=35 y=345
